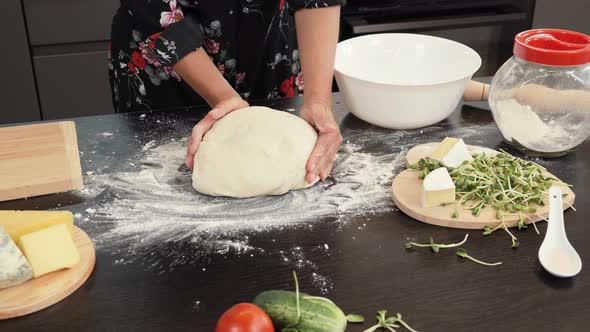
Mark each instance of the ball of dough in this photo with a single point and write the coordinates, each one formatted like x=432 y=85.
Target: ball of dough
x=254 y=151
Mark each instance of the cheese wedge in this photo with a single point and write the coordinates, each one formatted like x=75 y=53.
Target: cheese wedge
x=14 y=268
x=438 y=188
x=451 y=152
x=18 y=223
x=50 y=249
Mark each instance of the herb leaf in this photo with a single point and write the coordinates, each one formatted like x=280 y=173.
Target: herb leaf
x=435 y=247
x=389 y=323
x=463 y=253
x=354 y=318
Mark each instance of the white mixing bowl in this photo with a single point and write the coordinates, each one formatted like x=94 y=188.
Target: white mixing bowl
x=403 y=81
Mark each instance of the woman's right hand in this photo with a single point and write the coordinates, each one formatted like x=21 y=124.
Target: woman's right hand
x=220 y=110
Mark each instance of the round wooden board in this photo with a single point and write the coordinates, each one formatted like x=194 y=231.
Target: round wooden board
x=40 y=293
x=407 y=192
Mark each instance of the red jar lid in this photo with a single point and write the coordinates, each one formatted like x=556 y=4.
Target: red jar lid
x=553 y=47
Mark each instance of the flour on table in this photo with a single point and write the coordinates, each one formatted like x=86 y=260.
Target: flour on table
x=142 y=211
x=149 y=145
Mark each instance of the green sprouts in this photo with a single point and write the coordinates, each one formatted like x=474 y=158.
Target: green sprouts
x=510 y=185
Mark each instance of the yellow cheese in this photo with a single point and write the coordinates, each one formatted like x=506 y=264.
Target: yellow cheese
x=49 y=249
x=18 y=223
x=438 y=188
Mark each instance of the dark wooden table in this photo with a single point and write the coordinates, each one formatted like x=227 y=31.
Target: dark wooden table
x=367 y=264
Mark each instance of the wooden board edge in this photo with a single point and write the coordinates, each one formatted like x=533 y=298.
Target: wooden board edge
x=72 y=153
x=30 y=309
x=40 y=190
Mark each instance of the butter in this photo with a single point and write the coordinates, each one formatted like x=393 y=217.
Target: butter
x=438 y=188
x=49 y=249
x=451 y=152
x=18 y=223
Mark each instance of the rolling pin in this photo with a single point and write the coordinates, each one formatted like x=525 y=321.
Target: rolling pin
x=542 y=98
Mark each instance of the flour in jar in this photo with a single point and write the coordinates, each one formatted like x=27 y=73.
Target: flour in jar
x=549 y=132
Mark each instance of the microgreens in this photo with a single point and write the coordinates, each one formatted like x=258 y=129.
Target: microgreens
x=488 y=231
x=435 y=247
x=291 y=328
x=463 y=253
x=508 y=184
x=389 y=323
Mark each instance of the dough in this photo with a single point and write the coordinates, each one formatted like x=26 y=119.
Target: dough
x=254 y=151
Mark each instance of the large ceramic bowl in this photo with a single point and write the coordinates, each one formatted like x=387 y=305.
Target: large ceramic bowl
x=403 y=81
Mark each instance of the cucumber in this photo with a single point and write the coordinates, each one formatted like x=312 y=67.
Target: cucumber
x=318 y=314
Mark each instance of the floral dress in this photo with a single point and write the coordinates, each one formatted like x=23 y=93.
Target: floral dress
x=251 y=42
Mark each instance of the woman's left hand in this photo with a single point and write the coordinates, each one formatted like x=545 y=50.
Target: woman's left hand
x=321 y=160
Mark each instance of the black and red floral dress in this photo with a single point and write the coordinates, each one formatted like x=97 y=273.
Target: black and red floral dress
x=252 y=43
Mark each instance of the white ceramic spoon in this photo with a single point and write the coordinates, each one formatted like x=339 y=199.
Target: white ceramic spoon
x=556 y=254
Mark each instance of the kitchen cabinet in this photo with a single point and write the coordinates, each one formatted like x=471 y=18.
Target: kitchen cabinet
x=69 y=39
x=18 y=95
x=58 y=59
x=564 y=14
x=69 y=21
x=73 y=85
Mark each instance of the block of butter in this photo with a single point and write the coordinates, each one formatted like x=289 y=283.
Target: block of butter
x=438 y=188
x=49 y=249
x=18 y=223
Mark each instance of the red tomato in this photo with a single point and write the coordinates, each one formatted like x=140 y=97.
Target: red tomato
x=244 y=317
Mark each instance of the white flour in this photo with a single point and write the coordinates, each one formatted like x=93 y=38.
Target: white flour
x=520 y=123
x=137 y=213
x=158 y=203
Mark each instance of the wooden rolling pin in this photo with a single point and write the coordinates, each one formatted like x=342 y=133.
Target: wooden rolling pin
x=542 y=98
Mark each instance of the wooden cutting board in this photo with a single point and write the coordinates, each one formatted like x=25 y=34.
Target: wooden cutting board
x=40 y=293
x=407 y=191
x=39 y=159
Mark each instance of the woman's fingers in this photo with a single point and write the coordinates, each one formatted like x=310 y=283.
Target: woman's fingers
x=314 y=161
x=207 y=122
x=189 y=147
x=197 y=136
x=322 y=157
x=328 y=158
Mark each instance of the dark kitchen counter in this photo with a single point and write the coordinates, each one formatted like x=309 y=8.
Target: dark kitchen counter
x=361 y=261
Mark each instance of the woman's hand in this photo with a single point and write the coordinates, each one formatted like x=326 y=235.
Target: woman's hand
x=197 y=69
x=220 y=110
x=317 y=36
x=322 y=156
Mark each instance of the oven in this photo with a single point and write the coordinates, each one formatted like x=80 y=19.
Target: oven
x=487 y=26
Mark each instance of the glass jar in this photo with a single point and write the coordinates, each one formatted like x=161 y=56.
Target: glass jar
x=540 y=98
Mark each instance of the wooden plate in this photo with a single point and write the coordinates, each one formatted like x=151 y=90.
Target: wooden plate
x=407 y=191
x=40 y=293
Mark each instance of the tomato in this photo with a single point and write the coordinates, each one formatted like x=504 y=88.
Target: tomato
x=244 y=317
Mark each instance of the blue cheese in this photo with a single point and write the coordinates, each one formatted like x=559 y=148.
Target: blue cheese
x=14 y=268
